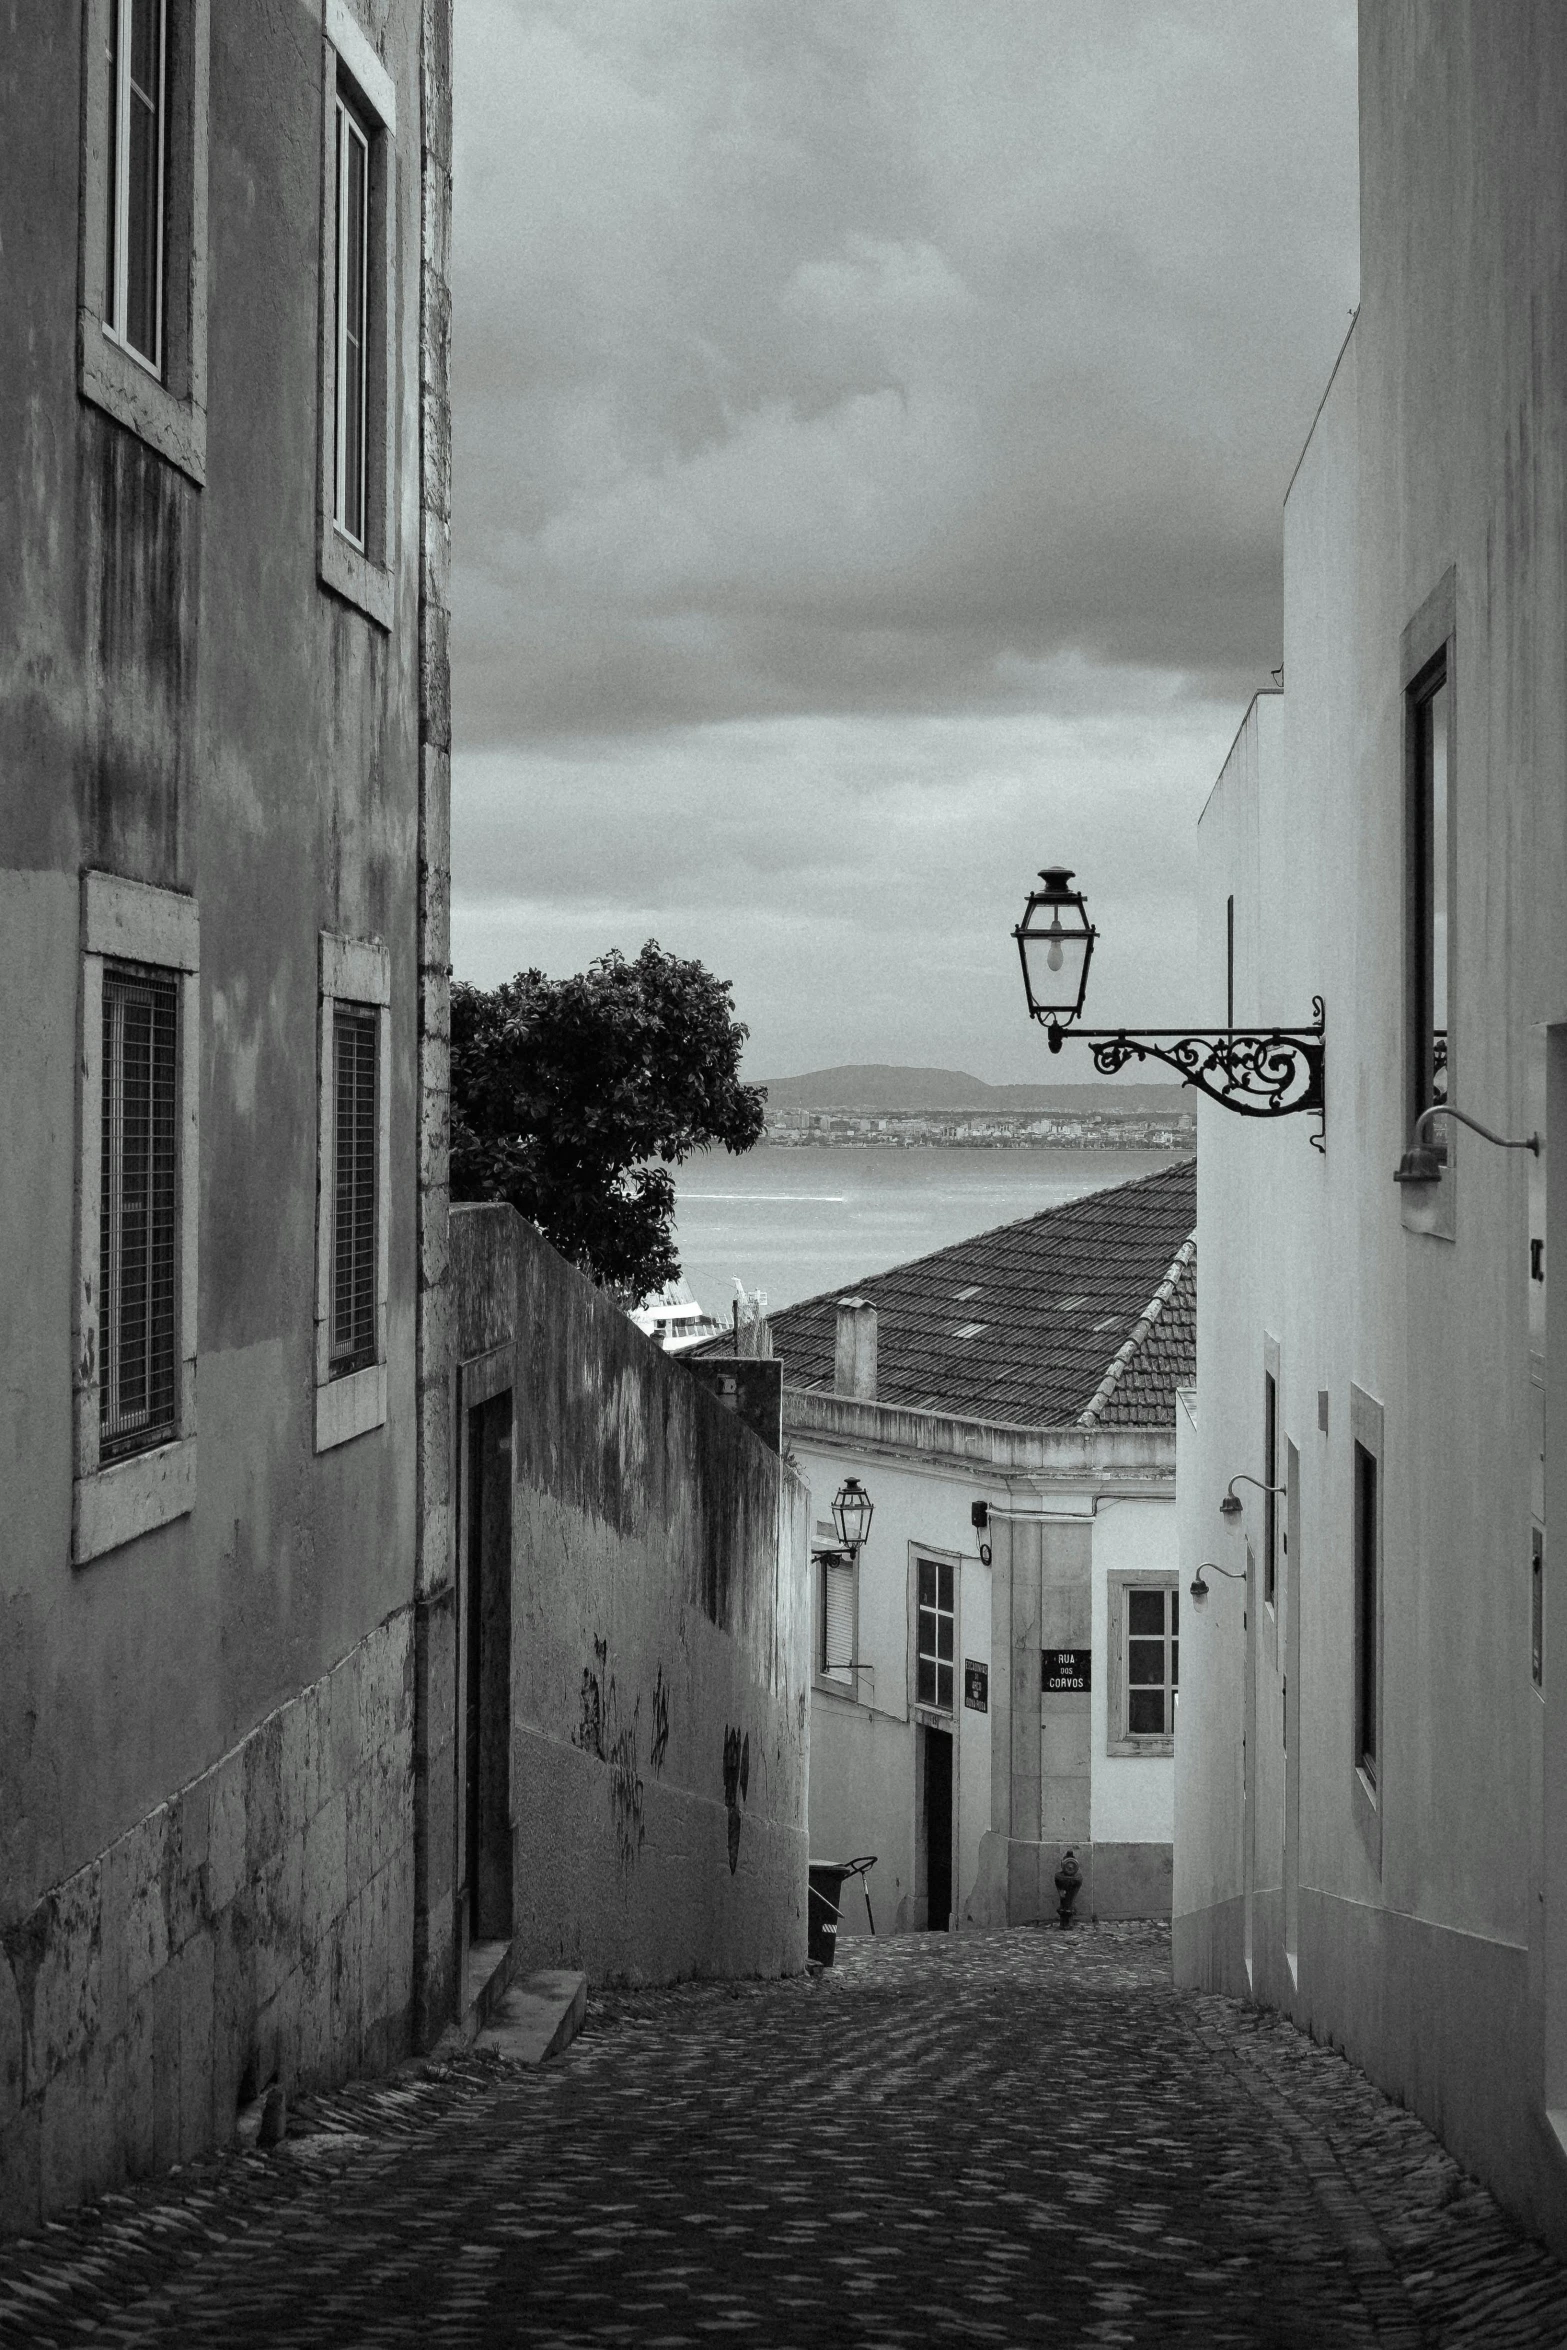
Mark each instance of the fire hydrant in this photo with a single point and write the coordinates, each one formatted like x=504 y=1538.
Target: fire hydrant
x=1068 y=1878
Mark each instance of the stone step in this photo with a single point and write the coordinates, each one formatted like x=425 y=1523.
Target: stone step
x=537 y=2019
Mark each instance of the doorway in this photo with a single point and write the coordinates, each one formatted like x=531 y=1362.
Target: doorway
x=486 y=1629
x=937 y=1810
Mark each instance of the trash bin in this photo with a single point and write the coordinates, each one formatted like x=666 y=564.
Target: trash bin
x=821 y=1933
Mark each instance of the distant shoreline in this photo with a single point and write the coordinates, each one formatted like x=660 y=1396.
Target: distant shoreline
x=1086 y=1130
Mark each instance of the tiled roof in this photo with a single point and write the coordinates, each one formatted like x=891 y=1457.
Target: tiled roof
x=1083 y=1315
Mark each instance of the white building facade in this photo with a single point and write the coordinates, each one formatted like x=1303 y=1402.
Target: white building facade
x=994 y=1678
x=1371 y=1830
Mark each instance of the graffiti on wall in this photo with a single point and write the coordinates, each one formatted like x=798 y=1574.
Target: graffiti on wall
x=737 y=1781
x=660 y=1746
x=605 y=1733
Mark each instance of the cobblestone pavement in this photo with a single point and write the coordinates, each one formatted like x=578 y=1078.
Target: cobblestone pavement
x=1001 y=2138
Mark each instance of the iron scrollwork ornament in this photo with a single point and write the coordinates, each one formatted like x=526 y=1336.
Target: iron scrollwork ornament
x=1258 y=1073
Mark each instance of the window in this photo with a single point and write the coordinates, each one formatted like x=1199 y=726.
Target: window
x=837 y=1610
x=1270 y=1479
x=142 y=345
x=1152 y=1661
x=354 y=1090
x=134 y=1338
x=1367 y=1578
x=138 y=1365
x=935 y=1640
x=1429 y=895
x=353 y=271
x=358 y=212
x=353 y=1189
x=1143 y=1629
x=138 y=124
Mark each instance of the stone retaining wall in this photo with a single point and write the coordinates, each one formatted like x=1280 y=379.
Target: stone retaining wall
x=259 y=1922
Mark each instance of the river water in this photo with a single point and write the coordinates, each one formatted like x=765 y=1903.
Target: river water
x=794 y=1222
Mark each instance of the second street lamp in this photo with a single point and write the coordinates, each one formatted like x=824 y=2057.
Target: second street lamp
x=1257 y=1072
x=852 y=1511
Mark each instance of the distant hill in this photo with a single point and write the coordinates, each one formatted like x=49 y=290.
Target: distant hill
x=877 y=1086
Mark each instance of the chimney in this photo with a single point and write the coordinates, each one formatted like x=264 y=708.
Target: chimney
x=854 y=1362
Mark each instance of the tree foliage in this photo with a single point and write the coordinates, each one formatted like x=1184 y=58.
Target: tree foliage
x=573 y=1098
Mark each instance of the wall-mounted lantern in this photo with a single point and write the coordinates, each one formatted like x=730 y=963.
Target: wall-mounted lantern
x=852 y=1512
x=1259 y=1073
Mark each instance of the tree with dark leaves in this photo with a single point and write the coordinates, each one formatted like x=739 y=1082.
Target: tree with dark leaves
x=573 y=1099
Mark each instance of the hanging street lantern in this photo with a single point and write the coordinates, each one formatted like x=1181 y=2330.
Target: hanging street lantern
x=852 y=1511
x=1055 y=945
x=1257 y=1072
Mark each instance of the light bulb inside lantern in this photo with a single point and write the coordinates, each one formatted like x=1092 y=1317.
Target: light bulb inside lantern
x=1054 y=956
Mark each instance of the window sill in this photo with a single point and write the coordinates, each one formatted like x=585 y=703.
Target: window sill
x=1145 y=1749
x=829 y=1685
x=112 y=1506
x=125 y=390
x=350 y=1407
x=351 y=575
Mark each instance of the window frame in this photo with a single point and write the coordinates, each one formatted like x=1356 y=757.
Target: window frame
x=126 y=922
x=1368 y=1604
x=353 y=77
x=923 y=1555
x=1428 y=664
x=353 y=972
x=166 y=405
x=1121 y=1741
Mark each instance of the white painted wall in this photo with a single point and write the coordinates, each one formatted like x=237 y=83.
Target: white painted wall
x=862 y=1781
x=1133 y=1796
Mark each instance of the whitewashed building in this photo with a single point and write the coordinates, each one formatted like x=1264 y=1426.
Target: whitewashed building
x=1371 y=1811
x=994 y=1680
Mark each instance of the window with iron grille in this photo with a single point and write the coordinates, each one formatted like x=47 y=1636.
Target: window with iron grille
x=353 y=1278
x=134 y=260
x=138 y=1229
x=935 y=1644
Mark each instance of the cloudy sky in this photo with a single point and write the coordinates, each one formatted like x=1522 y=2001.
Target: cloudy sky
x=872 y=424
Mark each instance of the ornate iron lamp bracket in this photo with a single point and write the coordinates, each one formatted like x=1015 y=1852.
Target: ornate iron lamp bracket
x=1257 y=1072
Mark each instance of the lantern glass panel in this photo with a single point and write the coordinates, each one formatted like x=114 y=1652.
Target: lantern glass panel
x=851 y=1513
x=1055 y=958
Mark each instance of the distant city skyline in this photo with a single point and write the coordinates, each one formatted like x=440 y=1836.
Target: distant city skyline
x=872 y=431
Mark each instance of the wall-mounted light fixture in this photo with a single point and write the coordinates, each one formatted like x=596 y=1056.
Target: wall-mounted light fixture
x=1232 y=1504
x=1212 y=1567
x=1259 y=1073
x=1421 y=1163
x=852 y=1512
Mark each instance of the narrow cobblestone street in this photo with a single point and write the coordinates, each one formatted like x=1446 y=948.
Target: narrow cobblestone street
x=996 y=2138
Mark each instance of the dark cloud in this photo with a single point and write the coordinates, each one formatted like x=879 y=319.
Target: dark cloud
x=872 y=424
x=828 y=356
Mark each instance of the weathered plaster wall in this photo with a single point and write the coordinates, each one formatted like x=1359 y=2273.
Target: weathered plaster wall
x=660 y=1660
x=183 y=703
x=257 y=1924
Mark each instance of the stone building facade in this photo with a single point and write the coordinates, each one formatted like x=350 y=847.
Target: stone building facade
x=224 y=737
x=1370 y=1829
